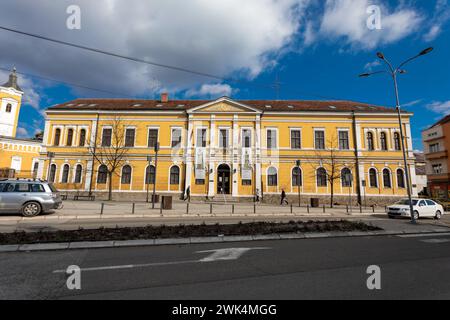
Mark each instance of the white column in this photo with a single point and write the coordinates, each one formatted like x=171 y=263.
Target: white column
x=234 y=176
x=258 y=154
x=412 y=173
x=409 y=141
x=212 y=145
x=188 y=153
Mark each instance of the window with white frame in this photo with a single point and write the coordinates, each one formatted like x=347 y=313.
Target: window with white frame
x=223 y=138
x=344 y=142
x=319 y=139
x=271 y=138
x=130 y=134
x=176 y=138
x=201 y=138
x=296 y=139
x=246 y=138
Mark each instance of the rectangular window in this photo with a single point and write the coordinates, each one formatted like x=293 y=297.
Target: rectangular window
x=129 y=137
x=106 y=137
x=199 y=181
x=271 y=139
x=296 y=139
x=434 y=148
x=437 y=168
x=247 y=138
x=223 y=138
x=152 y=137
x=201 y=138
x=343 y=140
x=319 y=136
x=176 y=138
x=246 y=182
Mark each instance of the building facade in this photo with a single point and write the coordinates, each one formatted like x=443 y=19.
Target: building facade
x=436 y=141
x=18 y=157
x=224 y=149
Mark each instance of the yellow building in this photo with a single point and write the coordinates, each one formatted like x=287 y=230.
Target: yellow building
x=18 y=157
x=225 y=149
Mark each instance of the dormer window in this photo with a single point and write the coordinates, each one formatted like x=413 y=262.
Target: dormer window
x=9 y=108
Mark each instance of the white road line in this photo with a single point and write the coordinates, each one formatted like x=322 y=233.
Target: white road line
x=424 y=235
x=216 y=255
x=434 y=241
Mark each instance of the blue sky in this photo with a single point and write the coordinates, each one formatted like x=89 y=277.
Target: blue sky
x=315 y=48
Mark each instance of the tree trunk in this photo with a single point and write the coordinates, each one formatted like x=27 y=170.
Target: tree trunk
x=110 y=186
x=332 y=194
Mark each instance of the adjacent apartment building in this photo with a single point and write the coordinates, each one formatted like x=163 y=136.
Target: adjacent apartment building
x=225 y=148
x=436 y=141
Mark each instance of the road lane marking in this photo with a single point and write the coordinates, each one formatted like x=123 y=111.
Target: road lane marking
x=217 y=255
x=424 y=235
x=435 y=241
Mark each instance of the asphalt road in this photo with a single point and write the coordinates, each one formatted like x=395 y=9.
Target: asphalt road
x=411 y=268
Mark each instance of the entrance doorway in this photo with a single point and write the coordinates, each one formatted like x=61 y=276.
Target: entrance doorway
x=223 y=179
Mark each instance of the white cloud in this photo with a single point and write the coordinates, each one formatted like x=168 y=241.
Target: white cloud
x=441 y=107
x=31 y=89
x=347 y=19
x=440 y=18
x=22 y=132
x=211 y=91
x=371 y=65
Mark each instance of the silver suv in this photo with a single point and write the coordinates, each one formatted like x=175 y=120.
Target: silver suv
x=29 y=197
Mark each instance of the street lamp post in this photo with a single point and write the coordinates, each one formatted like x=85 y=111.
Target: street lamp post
x=393 y=72
x=147 y=175
x=156 y=169
x=299 y=183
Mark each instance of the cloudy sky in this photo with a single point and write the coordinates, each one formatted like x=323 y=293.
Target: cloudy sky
x=315 y=48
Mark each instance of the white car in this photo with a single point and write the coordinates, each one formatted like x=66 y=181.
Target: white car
x=422 y=208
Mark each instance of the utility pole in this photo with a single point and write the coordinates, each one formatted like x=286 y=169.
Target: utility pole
x=156 y=170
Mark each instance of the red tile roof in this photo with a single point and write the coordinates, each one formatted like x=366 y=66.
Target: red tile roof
x=183 y=105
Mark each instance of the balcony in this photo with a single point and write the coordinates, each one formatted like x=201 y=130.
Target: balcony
x=436 y=155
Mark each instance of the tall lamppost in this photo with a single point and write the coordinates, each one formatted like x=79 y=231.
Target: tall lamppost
x=156 y=169
x=298 y=163
x=393 y=72
x=147 y=175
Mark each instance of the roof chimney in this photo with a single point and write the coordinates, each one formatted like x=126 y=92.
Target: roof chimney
x=164 y=97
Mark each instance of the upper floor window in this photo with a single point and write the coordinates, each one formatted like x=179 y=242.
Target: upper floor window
x=247 y=138
x=69 y=137
x=152 y=138
x=223 y=138
x=57 y=137
x=9 y=108
x=370 y=144
x=373 y=177
x=130 y=134
x=107 y=137
x=319 y=139
x=437 y=168
x=201 y=138
x=176 y=138
x=383 y=141
x=344 y=143
x=434 y=148
x=397 y=142
x=271 y=139
x=296 y=139
x=82 y=138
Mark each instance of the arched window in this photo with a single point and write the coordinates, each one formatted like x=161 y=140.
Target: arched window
x=397 y=142
x=272 y=177
x=373 y=178
x=346 y=178
x=370 y=145
x=82 y=138
x=102 y=174
x=9 y=108
x=383 y=140
x=78 y=172
x=297 y=177
x=321 y=177
x=126 y=175
x=400 y=178
x=387 y=179
x=35 y=169
x=175 y=175
x=65 y=174
x=52 y=174
x=150 y=175
x=69 y=137
x=57 y=137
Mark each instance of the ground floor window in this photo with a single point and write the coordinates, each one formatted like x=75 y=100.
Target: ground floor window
x=199 y=181
x=150 y=175
x=102 y=174
x=175 y=175
x=246 y=182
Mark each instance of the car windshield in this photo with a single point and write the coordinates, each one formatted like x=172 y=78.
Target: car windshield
x=406 y=202
x=52 y=187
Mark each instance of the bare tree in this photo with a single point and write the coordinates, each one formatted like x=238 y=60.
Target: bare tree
x=332 y=162
x=109 y=150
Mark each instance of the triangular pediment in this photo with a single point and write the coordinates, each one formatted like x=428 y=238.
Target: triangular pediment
x=224 y=105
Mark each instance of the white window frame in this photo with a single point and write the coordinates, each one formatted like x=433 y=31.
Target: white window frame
x=196 y=135
x=135 y=134
x=290 y=138
x=103 y=131
x=324 y=138
x=348 y=138
x=181 y=136
x=277 y=138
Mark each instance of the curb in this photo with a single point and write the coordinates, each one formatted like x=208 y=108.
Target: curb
x=200 y=240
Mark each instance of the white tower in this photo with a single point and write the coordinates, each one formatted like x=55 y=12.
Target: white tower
x=10 y=102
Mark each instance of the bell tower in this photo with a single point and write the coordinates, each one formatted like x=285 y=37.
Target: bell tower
x=10 y=103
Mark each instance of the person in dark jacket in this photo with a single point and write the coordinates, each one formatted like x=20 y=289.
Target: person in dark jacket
x=284 y=198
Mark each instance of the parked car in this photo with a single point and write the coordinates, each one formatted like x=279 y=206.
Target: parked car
x=422 y=208
x=29 y=197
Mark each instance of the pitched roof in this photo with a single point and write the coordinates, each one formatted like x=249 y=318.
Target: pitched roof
x=12 y=81
x=440 y=122
x=183 y=105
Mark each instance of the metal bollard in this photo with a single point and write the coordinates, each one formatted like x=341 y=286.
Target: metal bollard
x=187 y=208
x=161 y=210
x=211 y=209
x=324 y=210
x=232 y=209
x=360 y=209
x=102 y=207
x=133 y=208
x=373 y=209
x=254 y=208
x=307 y=208
x=347 y=209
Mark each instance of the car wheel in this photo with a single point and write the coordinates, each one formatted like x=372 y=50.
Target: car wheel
x=31 y=209
x=438 y=215
x=416 y=215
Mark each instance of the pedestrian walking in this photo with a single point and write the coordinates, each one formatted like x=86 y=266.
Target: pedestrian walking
x=284 y=200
